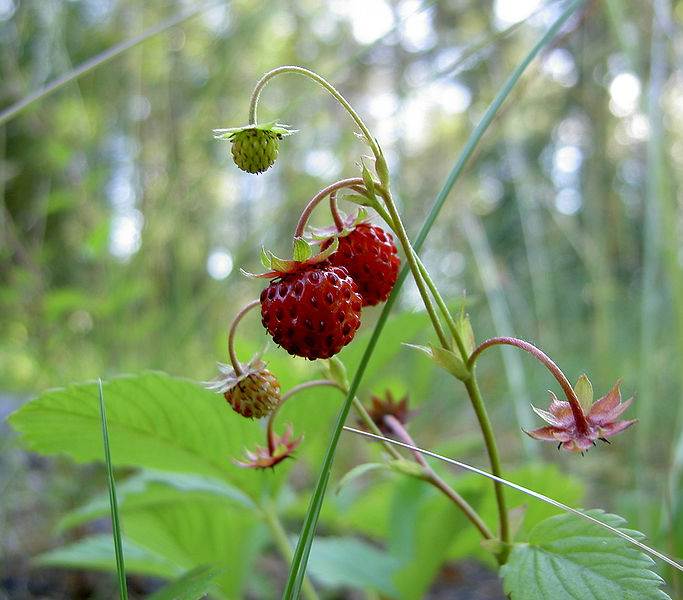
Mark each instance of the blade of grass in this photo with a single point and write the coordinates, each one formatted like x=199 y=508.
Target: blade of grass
x=524 y=490
x=115 y=524
x=92 y=63
x=303 y=548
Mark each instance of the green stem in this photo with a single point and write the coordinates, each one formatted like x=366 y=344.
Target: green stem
x=494 y=459
x=279 y=536
x=253 y=105
x=431 y=477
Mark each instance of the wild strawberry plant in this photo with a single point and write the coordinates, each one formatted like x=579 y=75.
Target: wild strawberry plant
x=211 y=481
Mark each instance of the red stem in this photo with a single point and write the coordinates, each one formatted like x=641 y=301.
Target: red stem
x=286 y=396
x=231 y=335
x=339 y=223
x=313 y=202
x=577 y=411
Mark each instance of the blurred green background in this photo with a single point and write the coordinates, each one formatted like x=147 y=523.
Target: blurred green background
x=123 y=224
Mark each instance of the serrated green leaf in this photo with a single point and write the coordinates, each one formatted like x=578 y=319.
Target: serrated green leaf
x=195 y=584
x=358 y=471
x=584 y=391
x=446 y=359
x=302 y=250
x=567 y=558
x=155 y=421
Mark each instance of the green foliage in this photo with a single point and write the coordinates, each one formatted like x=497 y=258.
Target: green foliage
x=567 y=558
x=423 y=527
x=195 y=584
x=155 y=421
x=95 y=553
x=351 y=562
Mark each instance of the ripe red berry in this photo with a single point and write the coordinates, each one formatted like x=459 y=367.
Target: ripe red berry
x=313 y=312
x=369 y=255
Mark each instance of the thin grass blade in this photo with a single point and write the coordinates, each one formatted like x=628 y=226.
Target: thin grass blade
x=524 y=490
x=115 y=523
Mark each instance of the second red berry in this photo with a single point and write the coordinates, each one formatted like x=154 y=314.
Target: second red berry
x=369 y=255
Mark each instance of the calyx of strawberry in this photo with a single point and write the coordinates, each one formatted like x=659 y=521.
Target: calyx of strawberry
x=303 y=258
x=279 y=129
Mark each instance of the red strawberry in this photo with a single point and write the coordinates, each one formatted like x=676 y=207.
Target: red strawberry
x=312 y=312
x=369 y=255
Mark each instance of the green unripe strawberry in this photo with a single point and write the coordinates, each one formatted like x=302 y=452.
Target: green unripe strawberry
x=255 y=150
x=254 y=147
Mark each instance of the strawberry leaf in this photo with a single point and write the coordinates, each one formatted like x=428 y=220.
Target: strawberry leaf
x=567 y=558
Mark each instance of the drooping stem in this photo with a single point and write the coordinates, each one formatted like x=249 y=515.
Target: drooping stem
x=321 y=195
x=279 y=536
x=286 y=396
x=431 y=476
x=253 y=104
x=336 y=217
x=543 y=358
x=231 y=335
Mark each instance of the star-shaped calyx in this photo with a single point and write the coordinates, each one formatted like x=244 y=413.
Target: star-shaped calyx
x=577 y=426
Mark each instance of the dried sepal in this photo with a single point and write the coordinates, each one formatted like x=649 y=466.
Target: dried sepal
x=602 y=418
x=262 y=458
x=253 y=393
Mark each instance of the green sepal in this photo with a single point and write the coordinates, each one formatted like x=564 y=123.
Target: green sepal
x=279 y=129
x=381 y=168
x=407 y=467
x=336 y=371
x=279 y=266
x=446 y=359
x=495 y=546
x=584 y=391
x=464 y=328
x=357 y=472
x=368 y=181
x=301 y=250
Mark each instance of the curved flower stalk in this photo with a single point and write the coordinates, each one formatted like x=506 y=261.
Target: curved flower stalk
x=577 y=422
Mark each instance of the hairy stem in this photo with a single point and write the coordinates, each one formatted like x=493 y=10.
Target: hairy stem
x=543 y=358
x=286 y=396
x=321 y=195
x=336 y=217
x=231 y=335
x=431 y=477
x=322 y=82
